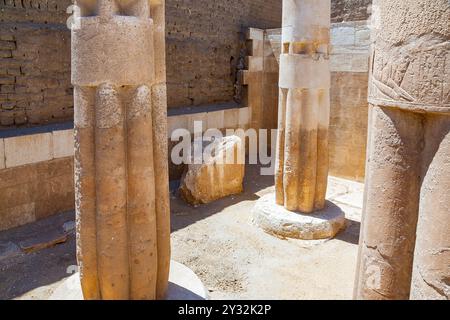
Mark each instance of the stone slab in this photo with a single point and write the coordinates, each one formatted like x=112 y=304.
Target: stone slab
x=216 y=119
x=231 y=119
x=278 y=221
x=183 y=285
x=2 y=154
x=255 y=34
x=244 y=117
x=176 y=122
x=28 y=149
x=63 y=144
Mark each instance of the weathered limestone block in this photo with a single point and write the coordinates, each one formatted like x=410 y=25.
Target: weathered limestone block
x=253 y=77
x=220 y=175
x=404 y=234
x=304 y=106
x=123 y=243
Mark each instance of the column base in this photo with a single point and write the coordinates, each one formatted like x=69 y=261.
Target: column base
x=278 y=221
x=183 y=285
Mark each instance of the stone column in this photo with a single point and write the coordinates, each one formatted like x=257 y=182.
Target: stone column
x=159 y=94
x=304 y=106
x=404 y=232
x=118 y=73
x=303 y=119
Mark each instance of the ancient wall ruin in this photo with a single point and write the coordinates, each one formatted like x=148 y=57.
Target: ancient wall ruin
x=203 y=48
x=204 y=54
x=35 y=84
x=204 y=41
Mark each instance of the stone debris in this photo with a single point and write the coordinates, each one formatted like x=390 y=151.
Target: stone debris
x=220 y=175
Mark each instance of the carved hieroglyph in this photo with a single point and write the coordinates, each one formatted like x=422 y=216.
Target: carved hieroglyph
x=122 y=193
x=405 y=238
x=304 y=106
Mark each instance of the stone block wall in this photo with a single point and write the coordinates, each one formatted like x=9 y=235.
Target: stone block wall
x=203 y=50
x=36 y=176
x=349 y=107
x=36 y=164
x=35 y=84
x=204 y=40
x=349 y=83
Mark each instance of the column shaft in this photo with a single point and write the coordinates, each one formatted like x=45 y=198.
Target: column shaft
x=142 y=230
x=111 y=194
x=123 y=215
x=302 y=158
x=431 y=275
x=407 y=185
x=281 y=141
x=85 y=195
x=390 y=209
x=160 y=147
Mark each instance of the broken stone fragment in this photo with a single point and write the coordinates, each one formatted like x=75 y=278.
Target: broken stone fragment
x=220 y=175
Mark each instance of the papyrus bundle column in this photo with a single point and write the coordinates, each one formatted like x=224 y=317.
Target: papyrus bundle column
x=405 y=238
x=304 y=106
x=118 y=73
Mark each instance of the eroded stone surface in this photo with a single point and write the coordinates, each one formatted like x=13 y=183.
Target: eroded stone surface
x=278 y=221
x=404 y=232
x=220 y=175
x=118 y=72
x=304 y=106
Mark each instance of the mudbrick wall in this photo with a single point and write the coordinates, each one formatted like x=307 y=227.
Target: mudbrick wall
x=203 y=50
x=34 y=62
x=350 y=10
x=204 y=42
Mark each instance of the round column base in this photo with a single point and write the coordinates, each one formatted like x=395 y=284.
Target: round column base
x=278 y=221
x=183 y=285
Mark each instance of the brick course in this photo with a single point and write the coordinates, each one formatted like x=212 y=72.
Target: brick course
x=203 y=47
x=204 y=43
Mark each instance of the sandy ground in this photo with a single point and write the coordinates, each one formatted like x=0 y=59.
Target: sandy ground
x=233 y=258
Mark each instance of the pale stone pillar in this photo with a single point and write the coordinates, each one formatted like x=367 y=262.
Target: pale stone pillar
x=304 y=106
x=298 y=208
x=404 y=232
x=122 y=200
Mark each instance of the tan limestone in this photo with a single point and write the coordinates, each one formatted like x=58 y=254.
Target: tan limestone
x=2 y=154
x=28 y=149
x=404 y=236
x=123 y=242
x=304 y=106
x=220 y=175
x=298 y=208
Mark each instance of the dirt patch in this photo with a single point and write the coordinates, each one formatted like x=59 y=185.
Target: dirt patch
x=219 y=242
